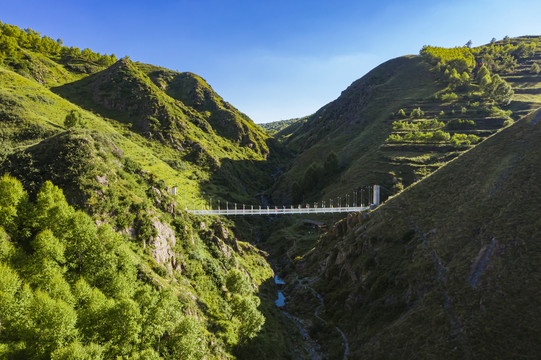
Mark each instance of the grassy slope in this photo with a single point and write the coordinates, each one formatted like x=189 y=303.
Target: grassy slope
x=195 y=92
x=447 y=269
x=357 y=124
x=34 y=106
x=36 y=147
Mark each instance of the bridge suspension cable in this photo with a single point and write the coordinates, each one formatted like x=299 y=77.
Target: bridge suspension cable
x=373 y=201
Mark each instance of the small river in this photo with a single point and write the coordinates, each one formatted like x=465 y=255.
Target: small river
x=281 y=301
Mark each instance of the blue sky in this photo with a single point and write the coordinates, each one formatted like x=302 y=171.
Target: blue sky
x=278 y=59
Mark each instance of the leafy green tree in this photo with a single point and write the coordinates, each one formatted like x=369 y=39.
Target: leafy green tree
x=484 y=82
x=394 y=138
x=9 y=286
x=503 y=93
x=416 y=113
x=441 y=136
x=51 y=211
x=160 y=313
x=401 y=113
x=482 y=72
x=7 y=249
x=462 y=63
x=454 y=78
x=238 y=283
x=123 y=327
x=8 y=46
x=78 y=351
x=12 y=195
x=93 y=308
x=74 y=119
x=46 y=266
x=464 y=79
x=251 y=320
x=534 y=69
x=48 y=324
x=185 y=341
x=469 y=44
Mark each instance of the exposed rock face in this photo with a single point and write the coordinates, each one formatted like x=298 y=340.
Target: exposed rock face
x=220 y=230
x=163 y=243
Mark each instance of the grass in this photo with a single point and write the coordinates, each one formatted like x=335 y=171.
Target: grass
x=427 y=240
x=36 y=146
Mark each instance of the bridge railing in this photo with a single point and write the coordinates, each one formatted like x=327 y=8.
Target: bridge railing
x=278 y=210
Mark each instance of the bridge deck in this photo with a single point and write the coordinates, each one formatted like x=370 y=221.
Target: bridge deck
x=279 y=211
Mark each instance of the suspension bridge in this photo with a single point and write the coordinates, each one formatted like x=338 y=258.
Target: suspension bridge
x=316 y=208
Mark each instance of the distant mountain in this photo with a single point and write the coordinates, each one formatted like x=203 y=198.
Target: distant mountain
x=276 y=126
x=446 y=269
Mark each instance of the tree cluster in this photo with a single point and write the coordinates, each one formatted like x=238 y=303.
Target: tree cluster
x=431 y=124
x=458 y=124
x=74 y=119
x=69 y=289
x=432 y=137
x=12 y=37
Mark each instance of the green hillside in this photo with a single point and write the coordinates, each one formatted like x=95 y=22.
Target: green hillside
x=410 y=115
x=446 y=269
x=148 y=281
x=100 y=157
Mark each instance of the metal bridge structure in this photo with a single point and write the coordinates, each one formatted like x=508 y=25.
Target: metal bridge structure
x=316 y=208
x=280 y=210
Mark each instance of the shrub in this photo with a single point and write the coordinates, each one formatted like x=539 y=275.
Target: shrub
x=430 y=124
x=508 y=122
x=74 y=119
x=441 y=136
x=449 y=97
x=457 y=124
x=459 y=139
x=417 y=113
x=394 y=138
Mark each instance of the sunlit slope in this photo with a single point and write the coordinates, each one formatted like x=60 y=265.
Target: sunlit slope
x=32 y=113
x=409 y=116
x=125 y=93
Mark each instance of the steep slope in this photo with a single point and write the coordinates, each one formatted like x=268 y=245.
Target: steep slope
x=354 y=126
x=193 y=91
x=409 y=116
x=148 y=280
x=448 y=268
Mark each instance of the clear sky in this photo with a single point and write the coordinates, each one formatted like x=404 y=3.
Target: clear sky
x=273 y=60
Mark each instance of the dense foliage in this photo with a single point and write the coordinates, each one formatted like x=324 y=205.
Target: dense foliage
x=67 y=285
x=70 y=285
x=12 y=37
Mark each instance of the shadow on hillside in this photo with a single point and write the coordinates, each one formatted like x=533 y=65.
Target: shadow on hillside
x=278 y=337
